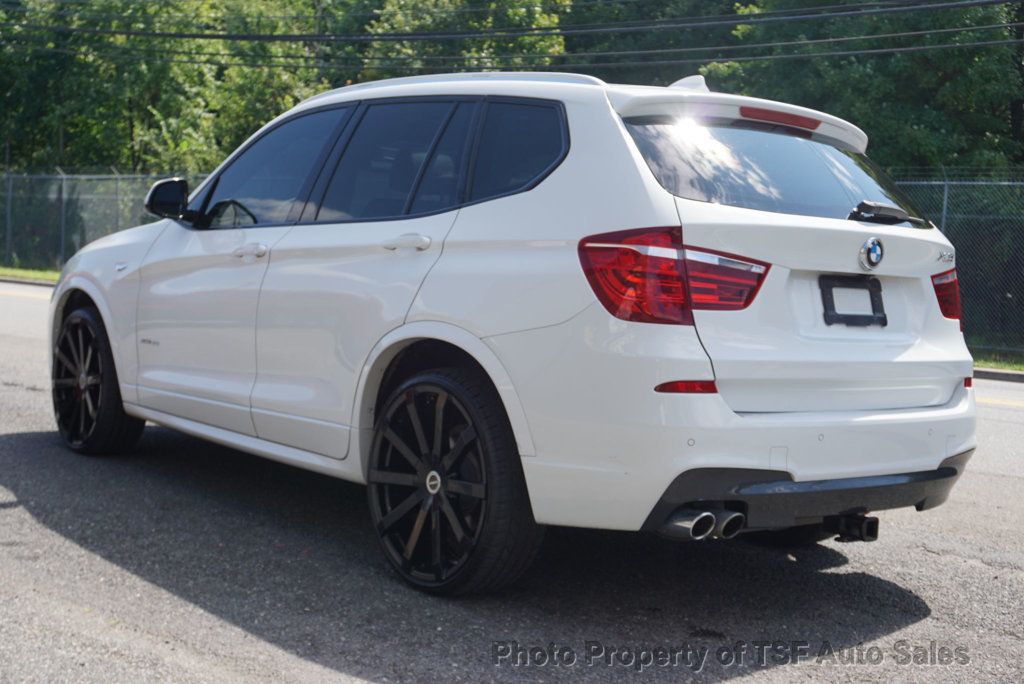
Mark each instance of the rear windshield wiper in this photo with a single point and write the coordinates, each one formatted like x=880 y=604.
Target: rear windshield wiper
x=879 y=212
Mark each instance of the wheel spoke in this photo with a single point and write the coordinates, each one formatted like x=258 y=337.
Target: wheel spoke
x=64 y=382
x=62 y=357
x=417 y=426
x=88 y=359
x=417 y=529
x=74 y=352
x=389 y=478
x=442 y=399
x=81 y=349
x=471 y=489
x=403 y=448
x=399 y=511
x=93 y=380
x=81 y=419
x=453 y=519
x=435 y=542
x=75 y=411
x=89 y=405
x=451 y=459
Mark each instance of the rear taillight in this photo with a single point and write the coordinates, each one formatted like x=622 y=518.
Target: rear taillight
x=722 y=282
x=947 y=291
x=648 y=276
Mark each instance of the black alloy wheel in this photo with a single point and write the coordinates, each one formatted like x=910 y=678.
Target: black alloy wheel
x=86 y=397
x=441 y=441
x=77 y=378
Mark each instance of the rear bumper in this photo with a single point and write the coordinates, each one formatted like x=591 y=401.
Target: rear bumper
x=771 y=499
x=607 y=445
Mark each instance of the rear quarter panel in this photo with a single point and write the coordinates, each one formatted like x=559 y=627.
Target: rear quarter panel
x=511 y=263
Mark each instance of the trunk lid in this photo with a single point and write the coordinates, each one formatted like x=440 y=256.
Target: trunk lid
x=780 y=354
x=793 y=189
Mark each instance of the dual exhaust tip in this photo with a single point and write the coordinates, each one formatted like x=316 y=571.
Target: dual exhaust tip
x=695 y=525
x=692 y=524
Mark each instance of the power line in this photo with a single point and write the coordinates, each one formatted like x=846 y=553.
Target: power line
x=311 y=62
x=804 y=55
x=393 y=11
x=399 y=11
x=505 y=33
x=563 y=67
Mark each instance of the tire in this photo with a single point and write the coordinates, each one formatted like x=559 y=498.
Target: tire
x=86 y=395
x=790 y=537
x=445 y=486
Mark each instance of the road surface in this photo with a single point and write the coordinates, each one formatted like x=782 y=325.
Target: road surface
x=192 y=562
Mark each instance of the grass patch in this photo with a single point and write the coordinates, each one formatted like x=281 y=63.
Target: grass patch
x=999 y=360
x=29 y=274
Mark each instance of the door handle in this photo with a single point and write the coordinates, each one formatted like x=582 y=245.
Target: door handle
x=253 y=249
x=407 y=241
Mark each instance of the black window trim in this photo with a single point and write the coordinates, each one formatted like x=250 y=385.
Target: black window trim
x=307 y=185
x=428 y=159
x=319 y=190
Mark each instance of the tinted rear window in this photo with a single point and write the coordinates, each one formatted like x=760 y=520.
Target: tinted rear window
x=376 y=173
x=759 y=167
x=518 y=144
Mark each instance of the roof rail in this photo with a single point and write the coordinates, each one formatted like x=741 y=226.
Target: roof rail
x=543 y=76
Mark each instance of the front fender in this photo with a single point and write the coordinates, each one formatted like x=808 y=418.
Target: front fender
x=108 y=272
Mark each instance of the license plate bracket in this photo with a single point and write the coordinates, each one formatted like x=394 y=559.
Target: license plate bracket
x=828 y=283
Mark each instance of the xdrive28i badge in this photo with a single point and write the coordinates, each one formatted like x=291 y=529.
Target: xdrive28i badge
x=871 y=253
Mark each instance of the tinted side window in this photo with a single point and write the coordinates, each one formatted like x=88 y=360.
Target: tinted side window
x=517 y=144
x=439 y=187
x=261 y=185
x=376 y=172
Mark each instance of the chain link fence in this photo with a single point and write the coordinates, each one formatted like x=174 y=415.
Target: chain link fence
x=984 y=219
x=46 y=218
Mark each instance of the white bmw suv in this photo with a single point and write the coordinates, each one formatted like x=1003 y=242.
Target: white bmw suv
x=505 y=301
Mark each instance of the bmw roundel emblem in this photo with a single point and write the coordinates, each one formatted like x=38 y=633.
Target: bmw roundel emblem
x=871 y=253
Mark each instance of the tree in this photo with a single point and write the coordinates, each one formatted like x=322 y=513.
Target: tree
x=949 y=107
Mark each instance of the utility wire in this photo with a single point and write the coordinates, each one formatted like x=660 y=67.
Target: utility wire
x=504 y=33
x=540 y=55
x=483 y=61
x=423 y=11
x=546 y=55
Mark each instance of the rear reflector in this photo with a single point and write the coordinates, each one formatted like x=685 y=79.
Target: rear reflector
x=947 y=291
x=968 y=382
x=648 y=276
x=759 y=114
x=688 y=387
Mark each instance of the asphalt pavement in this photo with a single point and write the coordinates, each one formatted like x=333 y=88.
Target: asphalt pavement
x=187 y=561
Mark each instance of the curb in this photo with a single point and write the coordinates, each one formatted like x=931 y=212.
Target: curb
x=27 y=281
x=994 y=374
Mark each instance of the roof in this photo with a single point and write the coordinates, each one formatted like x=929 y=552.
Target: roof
x=686 y=96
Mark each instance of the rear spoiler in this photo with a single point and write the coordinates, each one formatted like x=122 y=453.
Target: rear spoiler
x=685 y=102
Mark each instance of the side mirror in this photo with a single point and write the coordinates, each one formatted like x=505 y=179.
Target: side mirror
x=168 y=198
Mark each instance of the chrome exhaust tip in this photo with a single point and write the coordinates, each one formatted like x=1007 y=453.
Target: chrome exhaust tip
x=728 y=524
x=688 y=524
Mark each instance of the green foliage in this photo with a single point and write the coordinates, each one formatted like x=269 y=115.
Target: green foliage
x=95 y=100
x=922 y=109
